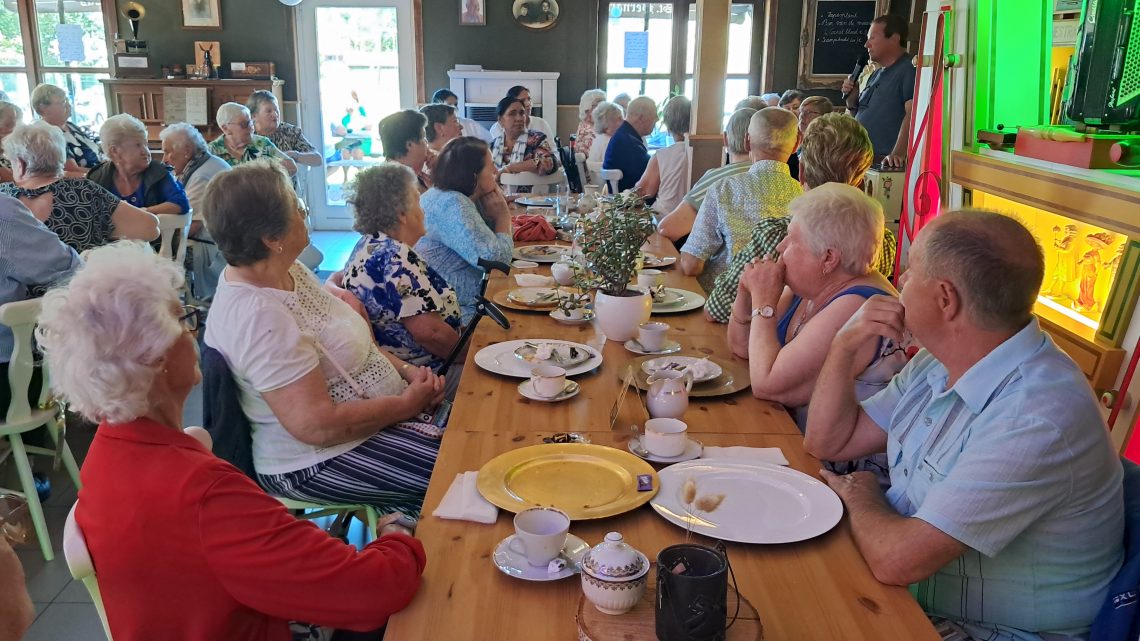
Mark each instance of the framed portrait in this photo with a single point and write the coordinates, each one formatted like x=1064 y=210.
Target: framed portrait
x=472 y=13
x=201 y=14
x=536 y=15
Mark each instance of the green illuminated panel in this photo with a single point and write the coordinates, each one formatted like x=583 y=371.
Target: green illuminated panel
x=1012 y=56
x=1130 y=78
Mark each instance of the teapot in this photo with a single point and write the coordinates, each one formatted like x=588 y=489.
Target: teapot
x=668 y=395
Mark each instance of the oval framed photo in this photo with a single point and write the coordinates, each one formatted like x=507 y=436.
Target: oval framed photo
x=536 y=15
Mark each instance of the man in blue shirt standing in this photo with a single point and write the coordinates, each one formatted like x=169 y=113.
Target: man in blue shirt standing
x=627 y=150
x=1005 y=513
x=884 y=106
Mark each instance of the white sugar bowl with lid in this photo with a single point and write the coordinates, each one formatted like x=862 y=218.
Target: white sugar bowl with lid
x=614 y=575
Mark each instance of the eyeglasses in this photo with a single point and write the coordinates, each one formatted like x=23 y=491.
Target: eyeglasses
x=243 y=124
x=191 y=314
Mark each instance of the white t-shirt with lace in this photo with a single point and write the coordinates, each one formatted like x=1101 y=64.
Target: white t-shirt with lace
x=269 y=339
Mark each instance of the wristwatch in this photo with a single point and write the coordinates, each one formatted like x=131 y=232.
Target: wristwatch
x=766 y=311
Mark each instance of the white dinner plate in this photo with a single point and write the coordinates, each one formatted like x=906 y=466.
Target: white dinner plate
x=536 y=201
x=515 y=564
x=690 y=301
x=500 y=358
x=762 y=503
x=541 y=253
x=678 y=362
x=653 y=261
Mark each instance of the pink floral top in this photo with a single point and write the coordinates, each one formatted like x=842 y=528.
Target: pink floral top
x=586 y=137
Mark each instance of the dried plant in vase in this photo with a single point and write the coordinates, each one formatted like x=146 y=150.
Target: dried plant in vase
x=694 y=504
x=611 y=242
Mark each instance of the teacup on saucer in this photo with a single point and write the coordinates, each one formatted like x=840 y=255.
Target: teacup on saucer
x=514 y=564
x=692 y=450
x=526 y=388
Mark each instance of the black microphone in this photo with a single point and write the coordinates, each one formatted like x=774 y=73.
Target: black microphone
x=858 y=71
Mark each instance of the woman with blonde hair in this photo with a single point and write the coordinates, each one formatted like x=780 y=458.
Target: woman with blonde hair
x=53 y=106
x=162 y=516
x=82 y=213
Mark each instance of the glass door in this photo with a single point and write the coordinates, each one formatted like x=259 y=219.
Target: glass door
x=357 y=66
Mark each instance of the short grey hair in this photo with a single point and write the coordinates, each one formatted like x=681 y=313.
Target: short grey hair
x=10 y=108
x=43 y=94
x=229 y=110
x=755 y=103
x=993 y=261
x=185 y=134
x=258 y=98
x=379 y=197
x=676 y=113
x=844 y=219
x=586 y=104
x=774 y=130
x=641 y=106
x=40 y=145
x=120 y=129
x=105 y=332
x=737 y=130
x=606 y=113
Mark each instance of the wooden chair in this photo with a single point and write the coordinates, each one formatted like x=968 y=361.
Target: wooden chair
x=81 y=566
x=23 y=418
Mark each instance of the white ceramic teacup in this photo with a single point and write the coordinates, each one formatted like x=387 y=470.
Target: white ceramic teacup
x=652 y=335
x=540 y=534
x=563 y=273
x=548 y=381
x=650 y=278
x=665 y=436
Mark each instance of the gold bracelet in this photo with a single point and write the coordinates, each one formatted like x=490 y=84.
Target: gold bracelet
x=732 y=317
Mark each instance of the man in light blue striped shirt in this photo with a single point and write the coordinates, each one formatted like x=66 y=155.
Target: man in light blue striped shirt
x=1005 y=512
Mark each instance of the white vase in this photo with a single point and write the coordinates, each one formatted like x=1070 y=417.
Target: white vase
x=620 y=316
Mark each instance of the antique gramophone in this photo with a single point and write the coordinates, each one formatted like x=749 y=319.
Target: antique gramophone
x=135 y=12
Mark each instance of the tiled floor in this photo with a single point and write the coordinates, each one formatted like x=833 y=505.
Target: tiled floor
x=63 y=608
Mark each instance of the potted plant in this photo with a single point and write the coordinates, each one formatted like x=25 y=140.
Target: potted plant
x=611 y=248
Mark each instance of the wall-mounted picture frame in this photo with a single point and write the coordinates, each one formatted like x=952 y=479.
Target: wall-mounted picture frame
x=472 y=13
x=535 y=15
x=832 y=36
x=202 y=14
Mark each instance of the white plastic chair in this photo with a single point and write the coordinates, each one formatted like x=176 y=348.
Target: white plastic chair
x=610 y=177
x=23 y=418
x=167 y=225
x=533 y=180
x=81 y=566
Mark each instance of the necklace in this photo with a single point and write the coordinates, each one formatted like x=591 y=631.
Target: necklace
x=811 y=308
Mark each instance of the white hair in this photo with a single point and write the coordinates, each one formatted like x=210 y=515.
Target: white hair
x=641 y=106
x=185 y=135
x=842 y=218
x=229 y=110
x=105 y=332
x=43 y=94
x=586 y=104
x=120 y=129
x=9 y=108
x=40 y=145
x=605 y=114
x=737 y=130
x=773 y=130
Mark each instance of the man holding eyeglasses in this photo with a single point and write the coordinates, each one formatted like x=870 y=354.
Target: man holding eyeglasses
x=238 y=144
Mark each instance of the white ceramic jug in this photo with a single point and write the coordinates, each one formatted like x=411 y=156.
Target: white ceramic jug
x=668 y=395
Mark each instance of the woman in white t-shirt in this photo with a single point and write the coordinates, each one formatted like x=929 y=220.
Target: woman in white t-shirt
x=327 y=407
x=667 y=176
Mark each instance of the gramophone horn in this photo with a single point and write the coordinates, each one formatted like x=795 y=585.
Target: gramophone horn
x=134 y=11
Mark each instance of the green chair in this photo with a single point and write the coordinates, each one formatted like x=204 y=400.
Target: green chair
x=311 y=511
x=81 y=566
x=23 y=418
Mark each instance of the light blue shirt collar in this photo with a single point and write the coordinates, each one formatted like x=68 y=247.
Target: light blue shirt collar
x=979 y=382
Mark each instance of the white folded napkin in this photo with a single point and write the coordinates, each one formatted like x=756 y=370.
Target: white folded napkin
x=534 y=280
x=771 y=455
x=463 y=502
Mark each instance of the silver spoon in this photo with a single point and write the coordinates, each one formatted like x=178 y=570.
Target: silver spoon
x=635 y=443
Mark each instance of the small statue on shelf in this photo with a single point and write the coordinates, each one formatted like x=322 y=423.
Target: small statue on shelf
x=208 y=61
x=1065 y=270
x=1090 y=269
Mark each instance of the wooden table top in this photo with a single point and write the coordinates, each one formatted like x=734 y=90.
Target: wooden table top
x=817 y=589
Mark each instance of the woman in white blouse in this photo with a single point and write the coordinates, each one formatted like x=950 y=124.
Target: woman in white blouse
x=667 y=175
x=608 y=117
x=329 y=410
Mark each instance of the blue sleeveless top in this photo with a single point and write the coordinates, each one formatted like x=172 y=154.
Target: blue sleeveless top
x=866 y=291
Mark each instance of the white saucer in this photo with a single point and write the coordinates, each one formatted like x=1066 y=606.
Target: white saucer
x=524 y=264
x=557 y=315
x=667 y=348
x=515 y=564
x=692 y=450
x=570 y=391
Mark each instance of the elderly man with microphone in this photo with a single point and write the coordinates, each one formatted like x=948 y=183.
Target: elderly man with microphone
x=884 y=106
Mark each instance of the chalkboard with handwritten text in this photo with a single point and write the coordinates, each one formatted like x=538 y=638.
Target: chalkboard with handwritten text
x=834 y=32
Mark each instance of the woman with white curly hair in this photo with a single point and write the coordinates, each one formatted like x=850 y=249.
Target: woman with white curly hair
x=129 y=172
x=591 y=98
x=162 y=516
x=82 y=213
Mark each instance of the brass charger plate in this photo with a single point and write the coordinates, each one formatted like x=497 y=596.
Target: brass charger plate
x=586 y=481
x=502 y=299
x=733 y=377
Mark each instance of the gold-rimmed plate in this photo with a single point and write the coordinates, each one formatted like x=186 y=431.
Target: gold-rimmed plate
x=534 y=296
x=541 y=253
x=585 y=481
x=654 y=261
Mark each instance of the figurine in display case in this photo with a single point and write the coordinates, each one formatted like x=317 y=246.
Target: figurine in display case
x=1065 y=271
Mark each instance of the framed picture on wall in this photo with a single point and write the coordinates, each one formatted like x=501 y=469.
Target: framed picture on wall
x=472 y=13
x=536 y=15
x=201 y=14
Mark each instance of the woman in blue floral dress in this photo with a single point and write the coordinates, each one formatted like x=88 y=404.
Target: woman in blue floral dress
x=413 y=311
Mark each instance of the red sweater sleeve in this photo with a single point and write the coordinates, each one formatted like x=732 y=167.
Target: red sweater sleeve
x=287 y=568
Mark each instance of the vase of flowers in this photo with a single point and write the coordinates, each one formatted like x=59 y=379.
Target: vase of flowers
x=611 y=248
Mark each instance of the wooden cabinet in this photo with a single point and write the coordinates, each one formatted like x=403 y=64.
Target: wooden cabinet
x=143 y=99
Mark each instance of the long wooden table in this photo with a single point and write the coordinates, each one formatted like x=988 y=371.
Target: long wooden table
x=817 y=589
